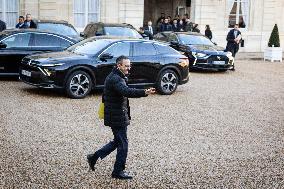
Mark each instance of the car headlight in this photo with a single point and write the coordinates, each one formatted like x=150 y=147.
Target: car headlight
x=201 y=55
x=229 y=54
x=52 y=65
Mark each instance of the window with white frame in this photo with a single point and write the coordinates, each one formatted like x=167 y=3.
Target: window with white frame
x=85 y=11
x=238 y=13
x=9 y=12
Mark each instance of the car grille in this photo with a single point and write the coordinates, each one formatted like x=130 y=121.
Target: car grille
x=213 y=58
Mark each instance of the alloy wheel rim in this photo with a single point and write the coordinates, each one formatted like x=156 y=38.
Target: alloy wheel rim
x=168 y=82
x=79 y=85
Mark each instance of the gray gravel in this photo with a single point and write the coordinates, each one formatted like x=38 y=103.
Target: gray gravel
x=221 y=130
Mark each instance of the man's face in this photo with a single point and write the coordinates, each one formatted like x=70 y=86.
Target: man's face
x=149 y=23
x=236 y=27
x=125 y=66
x=21 y=20
x=166 y=20
x=28 y=18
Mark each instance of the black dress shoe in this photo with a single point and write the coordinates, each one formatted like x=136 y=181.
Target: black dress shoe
x=121 y=175
x=92 y=160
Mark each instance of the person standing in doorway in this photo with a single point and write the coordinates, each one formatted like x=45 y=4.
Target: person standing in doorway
x=208 y=32
x=2 y=25
x=29 y=22
x=234 y=38
x=117 y=116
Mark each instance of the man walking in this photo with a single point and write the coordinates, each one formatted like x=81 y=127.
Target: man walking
x=117 y=116
x=234 y=38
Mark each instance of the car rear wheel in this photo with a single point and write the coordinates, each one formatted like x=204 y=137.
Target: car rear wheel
x=167 y=82
x=78 y=85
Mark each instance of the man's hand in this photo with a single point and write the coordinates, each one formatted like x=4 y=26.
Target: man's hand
x=150 y=91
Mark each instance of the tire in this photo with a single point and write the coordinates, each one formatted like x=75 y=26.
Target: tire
x=167 y=82
x=78 y=85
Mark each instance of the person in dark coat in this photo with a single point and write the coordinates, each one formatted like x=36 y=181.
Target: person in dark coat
x=117 y=116
x=21 y=24
x=29 y=22
x=149 y=30
x=175 y=26
x=208 y=32
x=166 y=26
x=2 y=25
x=233 y=40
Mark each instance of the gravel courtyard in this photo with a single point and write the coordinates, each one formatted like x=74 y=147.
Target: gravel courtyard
x=220 y=130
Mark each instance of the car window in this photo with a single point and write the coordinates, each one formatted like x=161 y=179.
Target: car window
x=100 y=30
x=165 y=49
x=119 y=49
x=144 y=49
x=46 y=40
x=160 y=37
x=194 y=40
x=89 y=46
x=122 y=31
x=62 y=29
x=172 y=37
x=18 y=40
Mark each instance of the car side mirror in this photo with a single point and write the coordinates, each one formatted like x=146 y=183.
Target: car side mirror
x=214 y=43
x=106 y=56
x=3 y=45
x=82 y=34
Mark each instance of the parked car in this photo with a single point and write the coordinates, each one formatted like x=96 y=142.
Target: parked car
x=201 y=52
x=101 y=29
x=16 y=44
x=85 y=65
x=60 y=27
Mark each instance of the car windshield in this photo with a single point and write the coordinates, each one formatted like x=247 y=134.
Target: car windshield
x=122 y=31
x=88 y=46
x=194 y=40
x=58 y=28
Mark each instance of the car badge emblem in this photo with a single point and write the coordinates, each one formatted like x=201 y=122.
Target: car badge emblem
x=219 y=58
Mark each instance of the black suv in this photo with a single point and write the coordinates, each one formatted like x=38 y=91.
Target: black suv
x=202 y=53
x=102 y=29
x=60 y=27
x=85 y=65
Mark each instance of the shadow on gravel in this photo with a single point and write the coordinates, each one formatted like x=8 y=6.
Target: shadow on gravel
x=9 y=78
x=210 y=71
x=53 y=93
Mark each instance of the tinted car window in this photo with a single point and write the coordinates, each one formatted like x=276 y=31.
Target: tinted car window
x=89 y=46
x=122 y=31
x=45 y=40
x=164 y=49
x=100 y=30
x=119 y=49
x=144 y=49
x=160 y=37
x=172 y=37
x=194 y=40
x=58 y=28
x=18 y=40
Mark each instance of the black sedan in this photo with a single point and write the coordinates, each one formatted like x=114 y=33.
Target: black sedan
x=85 y=65
x=202 y=53
x=16 y=44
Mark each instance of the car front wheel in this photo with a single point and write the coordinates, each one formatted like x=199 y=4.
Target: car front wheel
x=78 y=85
x=167 y=82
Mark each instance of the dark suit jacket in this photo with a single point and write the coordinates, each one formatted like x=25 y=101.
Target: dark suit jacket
x=2 y=25
x=208 y=34
x=148 y=33
x=21 y=26
x=231 y=44
x=166 y=27
x=32 y=24
x=116 y=94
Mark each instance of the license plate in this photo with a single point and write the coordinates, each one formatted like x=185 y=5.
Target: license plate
x=26 y=73
x=219 y=62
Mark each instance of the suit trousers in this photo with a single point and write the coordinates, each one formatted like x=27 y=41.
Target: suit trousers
x=120 y=142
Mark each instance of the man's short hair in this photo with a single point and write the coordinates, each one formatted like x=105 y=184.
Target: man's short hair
x=22 y=17
x=121 y=58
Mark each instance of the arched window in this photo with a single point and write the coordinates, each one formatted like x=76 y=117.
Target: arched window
x=9 y=12
x=85 y=11
x=238 y=13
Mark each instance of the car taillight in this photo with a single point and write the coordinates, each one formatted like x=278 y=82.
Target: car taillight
x=183 y=62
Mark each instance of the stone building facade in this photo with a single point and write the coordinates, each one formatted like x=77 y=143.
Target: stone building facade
x=259 y=15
